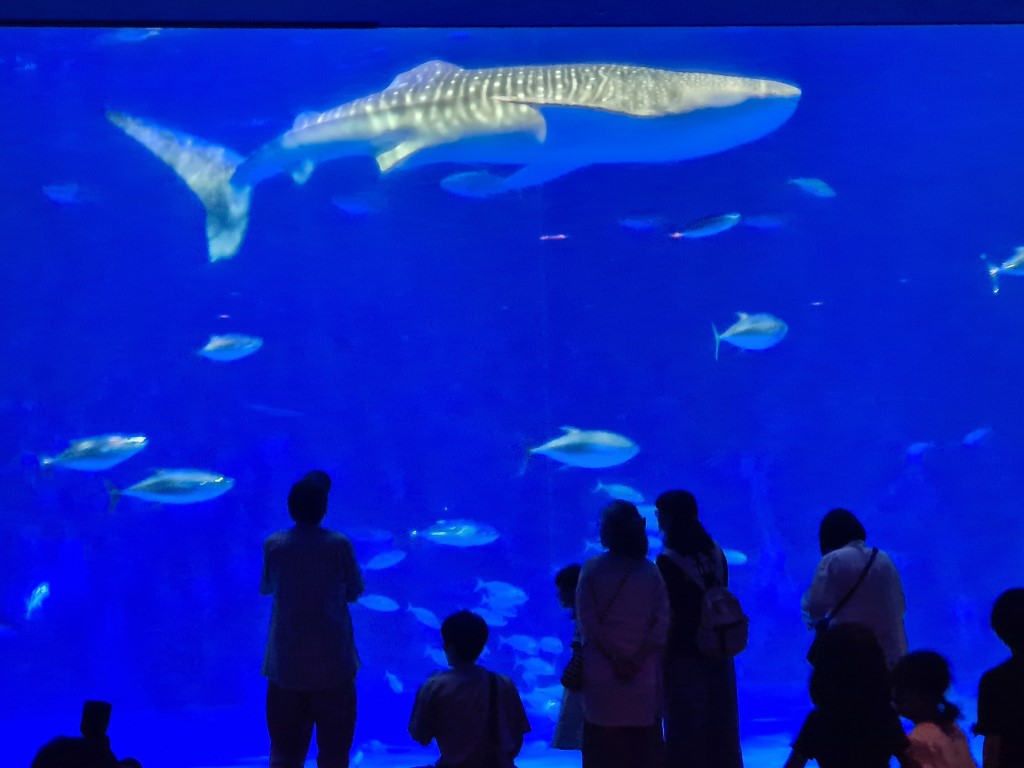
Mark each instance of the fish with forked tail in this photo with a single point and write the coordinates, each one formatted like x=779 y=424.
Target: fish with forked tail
x=547 y=119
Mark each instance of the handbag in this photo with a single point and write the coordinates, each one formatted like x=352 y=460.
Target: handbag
x=822 y=625
x=572 y=675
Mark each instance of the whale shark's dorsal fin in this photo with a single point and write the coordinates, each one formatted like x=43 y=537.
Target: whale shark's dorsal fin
x=424 y=72
x=570 y=429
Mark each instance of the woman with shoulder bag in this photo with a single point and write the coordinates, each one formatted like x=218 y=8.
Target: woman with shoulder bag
x=623 y=612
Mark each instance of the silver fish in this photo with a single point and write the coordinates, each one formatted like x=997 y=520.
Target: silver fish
x=594 y=449
x=759 y=331
x=94 y=454
x=458 y=533
x=179 y=486
x=231 y=346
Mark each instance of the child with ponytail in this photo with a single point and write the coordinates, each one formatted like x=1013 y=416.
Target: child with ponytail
x=920 y=681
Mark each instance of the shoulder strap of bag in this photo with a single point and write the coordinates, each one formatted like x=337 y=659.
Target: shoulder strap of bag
x=860 y=580
x=615 y=595
x=692 y=567
x=492 y=714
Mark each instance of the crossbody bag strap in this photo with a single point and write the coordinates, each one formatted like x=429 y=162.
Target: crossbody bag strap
x=492 y=713
x=615 y=596
x=860 y=580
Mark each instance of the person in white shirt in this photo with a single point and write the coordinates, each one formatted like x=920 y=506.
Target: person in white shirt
x=877 y=602
x=623 y=610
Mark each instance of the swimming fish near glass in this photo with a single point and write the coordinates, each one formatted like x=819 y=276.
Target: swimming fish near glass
x=1012 y=267
x=501 y=593
x=617 y=491
x=424 y=616
x=592 y=449
x=759 y=331
x=709 y=225
x=176 y=486
x=230 y=346
x=458 y=533
x=378 y=603
x=813 y=187
x=35 y=600
x=384 y=560
x=94 y=454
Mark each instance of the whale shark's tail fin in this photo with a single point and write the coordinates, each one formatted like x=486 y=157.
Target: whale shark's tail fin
x=207 y=169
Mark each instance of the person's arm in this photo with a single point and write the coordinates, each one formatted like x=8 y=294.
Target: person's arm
x=990 y=749
x=353 y=574
x=819 y=599
x=517 y=714
x=795 y=760
x=657 y=636
x=266 y=584
x=420 y=724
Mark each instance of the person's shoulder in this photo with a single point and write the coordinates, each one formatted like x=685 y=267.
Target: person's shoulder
x=1011 y=669
x=277 y=537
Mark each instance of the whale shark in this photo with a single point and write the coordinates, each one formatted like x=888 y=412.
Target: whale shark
x=548 y=120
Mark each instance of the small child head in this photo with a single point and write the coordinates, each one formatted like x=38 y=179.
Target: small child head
x=464 y=635
x=920 y=681
x=565 y=582
x=1008 y=619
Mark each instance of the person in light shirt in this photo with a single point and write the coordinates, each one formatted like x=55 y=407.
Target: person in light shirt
x=623 y=609
x=877 y=603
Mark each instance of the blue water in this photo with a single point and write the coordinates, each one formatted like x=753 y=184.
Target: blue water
x=417 y=343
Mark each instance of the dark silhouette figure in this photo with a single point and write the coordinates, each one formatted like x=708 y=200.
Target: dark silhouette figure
x=1001 y=692
x=702 y=728
x=91 y=750
x=310 y=660
x=569 y=727
x=475 y=716
x=853 y=722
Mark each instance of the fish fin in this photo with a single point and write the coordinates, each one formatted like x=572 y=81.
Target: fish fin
x=718 y=339
x=301 y=174
x=570 y=429
x=993 y=272
x=424 y=72
x=598 y=487
x=742 y=315
x=115 y=495
x=389 y=158
x=207 y=169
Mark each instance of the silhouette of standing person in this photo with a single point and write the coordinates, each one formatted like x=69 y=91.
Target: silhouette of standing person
x=310 y=661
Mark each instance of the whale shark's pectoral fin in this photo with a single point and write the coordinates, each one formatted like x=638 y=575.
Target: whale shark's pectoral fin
x=207 y=169
x=388 y=159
